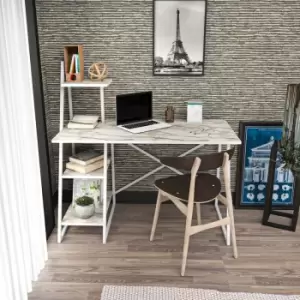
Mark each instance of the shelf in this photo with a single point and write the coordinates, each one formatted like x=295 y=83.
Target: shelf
x=70 y=219
x=88 y=83
x=97 y=174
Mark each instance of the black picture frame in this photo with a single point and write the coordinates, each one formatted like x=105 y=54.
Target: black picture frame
x=204 y=42
x=240 y=164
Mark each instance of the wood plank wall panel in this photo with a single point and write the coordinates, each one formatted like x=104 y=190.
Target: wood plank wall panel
x=252 y=53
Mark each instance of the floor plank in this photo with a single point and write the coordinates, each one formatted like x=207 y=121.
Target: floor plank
x=79 y=267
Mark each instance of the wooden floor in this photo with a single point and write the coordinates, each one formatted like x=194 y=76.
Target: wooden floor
x=269 y=259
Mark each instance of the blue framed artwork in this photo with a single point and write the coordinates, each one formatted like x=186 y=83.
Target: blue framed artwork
x=253 y=166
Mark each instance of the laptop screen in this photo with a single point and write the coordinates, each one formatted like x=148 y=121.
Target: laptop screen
x=134 y=107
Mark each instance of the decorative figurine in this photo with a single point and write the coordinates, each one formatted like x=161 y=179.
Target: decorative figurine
x=98 y=71
x=169 y=114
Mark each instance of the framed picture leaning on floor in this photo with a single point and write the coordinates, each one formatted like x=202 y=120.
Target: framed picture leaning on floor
x=179 y=37
x=253 y=165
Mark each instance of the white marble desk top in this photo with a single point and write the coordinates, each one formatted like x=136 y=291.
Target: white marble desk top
x=209 y=132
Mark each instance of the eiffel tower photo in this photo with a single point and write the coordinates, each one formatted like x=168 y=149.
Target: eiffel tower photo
x=186 y=19
x=178 y=55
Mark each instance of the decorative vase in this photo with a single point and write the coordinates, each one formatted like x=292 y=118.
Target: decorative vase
x=169 y=114
x=84 y=212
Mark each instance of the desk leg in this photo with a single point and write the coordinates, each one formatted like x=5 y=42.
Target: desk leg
x=113 y=178
x=112 y=210
x=104 y=196
x=71 y=112
x=217 y=202
x=60 y=229
x=228 y=226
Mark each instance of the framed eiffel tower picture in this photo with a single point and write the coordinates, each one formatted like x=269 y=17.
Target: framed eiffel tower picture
x=179 y=37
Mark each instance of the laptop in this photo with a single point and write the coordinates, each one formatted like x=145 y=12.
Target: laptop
x=134 y=113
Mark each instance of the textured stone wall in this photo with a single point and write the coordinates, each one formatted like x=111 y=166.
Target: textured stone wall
x=252 y=53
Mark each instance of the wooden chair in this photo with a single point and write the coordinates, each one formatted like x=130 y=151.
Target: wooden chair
x=196 y=188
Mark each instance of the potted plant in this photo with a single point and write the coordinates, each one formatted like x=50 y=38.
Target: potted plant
x=289 y=150
x=84 y=207
x=290 y=143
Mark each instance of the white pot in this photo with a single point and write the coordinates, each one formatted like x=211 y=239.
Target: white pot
x=84 y=212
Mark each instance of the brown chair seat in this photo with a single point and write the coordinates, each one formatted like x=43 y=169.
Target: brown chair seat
x=207 y=187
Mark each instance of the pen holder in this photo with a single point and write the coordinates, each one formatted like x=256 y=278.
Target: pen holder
x=169 y=114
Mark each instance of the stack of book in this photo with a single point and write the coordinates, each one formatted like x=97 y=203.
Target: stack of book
x=83 y=122
x=75 y=64
x=85 y=162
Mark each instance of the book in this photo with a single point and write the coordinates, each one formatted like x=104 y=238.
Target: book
x=72 y=64
x=83 y=122
x=85 y=158
x=85 y=169
x=76 y=63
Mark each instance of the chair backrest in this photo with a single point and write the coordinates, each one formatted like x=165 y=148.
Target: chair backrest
x=210 y=161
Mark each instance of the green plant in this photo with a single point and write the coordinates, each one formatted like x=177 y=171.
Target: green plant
x=84 y=201
x=94 y=187
x=290 y=154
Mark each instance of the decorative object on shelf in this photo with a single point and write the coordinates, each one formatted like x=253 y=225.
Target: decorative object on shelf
x=253 y=166
x=83 y=122
x=85 y=158
x=90 y=188
x=98 y=71
x=169 y=114
x=84 y=207
x=286 y=153
x=194 y=111
x=85 y=169
x=170 y=55
x=74 y=63
x=85 y=162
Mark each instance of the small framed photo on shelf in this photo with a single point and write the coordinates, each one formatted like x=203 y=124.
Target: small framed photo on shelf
x=179 y=37
x=253 y=165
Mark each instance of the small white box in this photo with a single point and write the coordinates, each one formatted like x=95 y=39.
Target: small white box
x=194 y=111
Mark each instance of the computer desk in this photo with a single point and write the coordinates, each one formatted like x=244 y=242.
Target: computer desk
x=209 y=132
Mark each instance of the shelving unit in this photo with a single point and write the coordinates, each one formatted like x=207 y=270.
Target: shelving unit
x=103 y=217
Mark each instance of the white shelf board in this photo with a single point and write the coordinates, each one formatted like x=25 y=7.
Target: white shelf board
x=69 y=174
x=70 y=218
x=88 y=83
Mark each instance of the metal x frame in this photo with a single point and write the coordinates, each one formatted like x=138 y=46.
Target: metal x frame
x=225 y=229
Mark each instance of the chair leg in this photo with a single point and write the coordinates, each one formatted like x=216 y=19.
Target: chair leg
x=198 y=209
x=185 y=252
x=186 y=242
x=232 y=228
x=156 y=214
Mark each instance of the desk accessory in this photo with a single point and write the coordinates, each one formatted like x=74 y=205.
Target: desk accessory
x=85 y=169
x=194 y=111
x=169 y=114
x=88 y=187
x=85 y=158
x=98 y=71
x=83 y=122
x=74 y=63
x=134 y=113
x=84 y=207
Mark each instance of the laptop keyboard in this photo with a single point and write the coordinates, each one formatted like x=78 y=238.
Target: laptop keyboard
x=141 y=124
